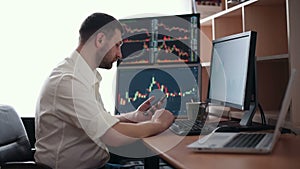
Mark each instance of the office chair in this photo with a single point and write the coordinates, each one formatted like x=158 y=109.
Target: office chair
x=15 y=149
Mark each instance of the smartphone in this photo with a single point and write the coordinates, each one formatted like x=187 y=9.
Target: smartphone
x=161 y=100
x=155 y=103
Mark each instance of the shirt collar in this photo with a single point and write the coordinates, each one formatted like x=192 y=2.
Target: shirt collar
x=84 y=70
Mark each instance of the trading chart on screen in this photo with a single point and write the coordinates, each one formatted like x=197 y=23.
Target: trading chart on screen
x=161 y=40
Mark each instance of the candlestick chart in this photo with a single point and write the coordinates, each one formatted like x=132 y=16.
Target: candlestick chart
x=135 y=85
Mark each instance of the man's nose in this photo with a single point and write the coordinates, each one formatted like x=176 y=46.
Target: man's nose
x=119 y=53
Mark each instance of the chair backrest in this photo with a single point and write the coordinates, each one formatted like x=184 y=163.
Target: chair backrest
x=14 y=143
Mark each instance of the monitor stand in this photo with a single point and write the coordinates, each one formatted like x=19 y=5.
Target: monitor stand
x=245 y=124
x=246 y=120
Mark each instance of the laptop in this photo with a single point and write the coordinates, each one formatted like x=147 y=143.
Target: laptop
x=255 y=142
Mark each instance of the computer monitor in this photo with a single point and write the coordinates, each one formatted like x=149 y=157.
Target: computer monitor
x=161 y=40
x=180 y=83
x=232 y=81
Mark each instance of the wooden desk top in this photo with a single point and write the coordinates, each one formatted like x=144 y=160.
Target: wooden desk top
x=172 y=149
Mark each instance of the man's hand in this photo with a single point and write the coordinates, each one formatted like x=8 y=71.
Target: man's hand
x=143 y=113
x=164 y=117
x=146 y=104
x=149 y=110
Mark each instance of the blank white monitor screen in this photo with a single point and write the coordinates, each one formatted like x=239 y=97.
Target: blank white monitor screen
x=229 y=67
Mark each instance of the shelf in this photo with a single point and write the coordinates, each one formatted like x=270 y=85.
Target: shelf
x=276 y=24
x=270 y=2
x=231 y=3
x=207 y=20
x=207 y=10
x=258 y=59
x=227 y=11
x=273 y=57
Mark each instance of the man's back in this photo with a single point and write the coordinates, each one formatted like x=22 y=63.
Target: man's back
x=68 y=128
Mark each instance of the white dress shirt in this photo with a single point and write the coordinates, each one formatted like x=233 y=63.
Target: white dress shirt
x=71 y=118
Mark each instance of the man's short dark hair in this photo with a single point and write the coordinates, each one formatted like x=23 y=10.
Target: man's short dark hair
x=97 y=21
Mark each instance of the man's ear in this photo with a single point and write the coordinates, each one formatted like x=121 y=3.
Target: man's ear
x=100 y=37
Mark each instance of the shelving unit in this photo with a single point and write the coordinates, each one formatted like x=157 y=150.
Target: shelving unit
x=208 y=10
x=269 y=18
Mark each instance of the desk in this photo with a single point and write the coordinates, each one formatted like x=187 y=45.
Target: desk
x=286 y=154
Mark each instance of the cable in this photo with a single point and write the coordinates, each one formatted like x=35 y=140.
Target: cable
x=262 y=114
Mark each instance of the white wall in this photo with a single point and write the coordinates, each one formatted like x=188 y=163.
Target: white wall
x=37 y=34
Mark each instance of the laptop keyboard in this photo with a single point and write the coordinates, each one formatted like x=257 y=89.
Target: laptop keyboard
x=190 y=127
x=249 y=140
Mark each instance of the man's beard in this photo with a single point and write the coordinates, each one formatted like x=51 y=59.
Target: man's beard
x=105 y=64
